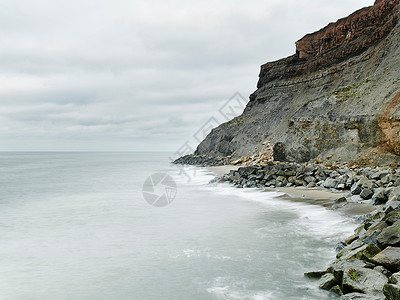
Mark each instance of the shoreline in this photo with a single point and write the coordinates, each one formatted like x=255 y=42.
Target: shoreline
x=367 y=264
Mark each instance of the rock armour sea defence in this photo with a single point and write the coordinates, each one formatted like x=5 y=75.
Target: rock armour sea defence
x=337 y=97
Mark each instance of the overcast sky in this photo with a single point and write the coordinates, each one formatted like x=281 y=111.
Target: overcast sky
x=136 y=75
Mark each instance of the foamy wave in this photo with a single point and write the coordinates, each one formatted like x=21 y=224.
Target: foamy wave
x=228 y=289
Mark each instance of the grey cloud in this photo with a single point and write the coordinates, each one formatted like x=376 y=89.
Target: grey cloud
x=137 y=75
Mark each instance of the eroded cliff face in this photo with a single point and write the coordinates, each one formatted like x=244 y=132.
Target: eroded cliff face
x=338 y=96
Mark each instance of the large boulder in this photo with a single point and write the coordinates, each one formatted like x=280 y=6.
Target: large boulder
x=365 y=252
x=389 y=258
x=338 y=267
x=355 y=189
x=394 y=194
x=379 y=196
x=359 y=296
x=391 y=291
x=390 y=236
x=363 y=280
x=366 y=194
x=365 y=183
x=330 y=183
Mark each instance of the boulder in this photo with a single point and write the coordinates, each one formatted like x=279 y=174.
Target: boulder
x=394 y=194
x=311 y=185
x=355 y=189
x=363 y=280
x=340 y=200
x=330 y=183
x=365 y=183
x=391 y=291
x=315 y=274
x=391 y=218
x=391 y=206
x=379 y=175
x=397 y=182
x=338 y=267
x=327 y=281
x=371 y=238
x=379 y=196
x=366 y=194
x=309 y=179
x=365 y=252
x=390 y=236
x=395 y=278
x=389 y=258
x=359 y=296
x=246 y=171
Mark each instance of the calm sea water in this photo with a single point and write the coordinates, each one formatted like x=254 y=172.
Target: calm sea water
x=76 y=226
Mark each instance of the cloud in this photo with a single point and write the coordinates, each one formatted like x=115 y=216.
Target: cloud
x=137 y=75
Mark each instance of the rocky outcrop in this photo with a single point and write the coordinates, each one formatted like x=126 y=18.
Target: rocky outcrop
x=338 y=97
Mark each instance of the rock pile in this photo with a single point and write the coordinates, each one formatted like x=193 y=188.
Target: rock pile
x=258 y=157
x=368 y=265
x=371 y=185
x=202 y=160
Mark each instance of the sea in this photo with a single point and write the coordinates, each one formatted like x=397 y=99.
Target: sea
x=131 y=225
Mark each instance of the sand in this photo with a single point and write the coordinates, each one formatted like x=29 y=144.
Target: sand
x=316 y=196
x=222 y=170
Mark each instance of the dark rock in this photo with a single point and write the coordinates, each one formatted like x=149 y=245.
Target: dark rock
x=389 y=258
x=391 y=218
x=355 y=189
x=315 y=274
x=366 y=194
x=246 y=171
x=391 y=206
x=279 y=152
x=340 y=200
x=379 y=196
x=391 y=291
x=340 y=246
x=371 y=238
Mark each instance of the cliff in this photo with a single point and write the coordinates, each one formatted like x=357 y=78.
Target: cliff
x=337 y=97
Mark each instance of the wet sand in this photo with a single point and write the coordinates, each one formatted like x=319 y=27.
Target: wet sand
x=222 y=170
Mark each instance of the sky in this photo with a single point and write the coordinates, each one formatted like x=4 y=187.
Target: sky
x=135 y=75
